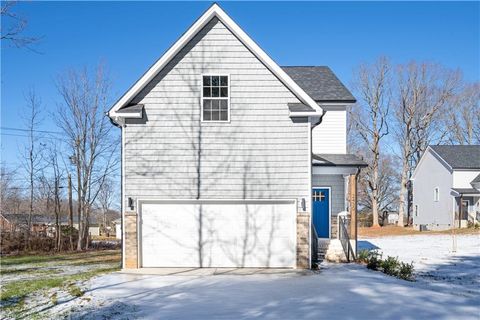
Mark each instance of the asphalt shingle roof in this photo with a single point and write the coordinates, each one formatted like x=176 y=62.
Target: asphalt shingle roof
x=466 y=190
x=335 y=160
x=459 y=157
x=320 y=83
x=299 y=107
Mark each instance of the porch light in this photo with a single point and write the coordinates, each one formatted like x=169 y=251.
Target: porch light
x=130 y=203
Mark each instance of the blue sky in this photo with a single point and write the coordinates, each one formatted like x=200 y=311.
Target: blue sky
x=130 y=36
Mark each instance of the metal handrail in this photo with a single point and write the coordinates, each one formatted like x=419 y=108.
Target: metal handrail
x=345 y=239
x=314 y=240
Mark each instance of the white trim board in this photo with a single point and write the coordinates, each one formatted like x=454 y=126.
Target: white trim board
x=214 y=11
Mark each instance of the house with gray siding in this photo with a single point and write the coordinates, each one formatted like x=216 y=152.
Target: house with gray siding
x=445 y=187
x=230 y=160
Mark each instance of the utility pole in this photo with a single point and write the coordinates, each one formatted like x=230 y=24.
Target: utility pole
x=70 y=210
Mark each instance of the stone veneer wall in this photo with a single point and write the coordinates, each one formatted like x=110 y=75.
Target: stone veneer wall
x=131 y=246
x=303 y=240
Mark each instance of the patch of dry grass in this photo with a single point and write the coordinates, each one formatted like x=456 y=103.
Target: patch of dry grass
x=69 y=258
x=399 y=231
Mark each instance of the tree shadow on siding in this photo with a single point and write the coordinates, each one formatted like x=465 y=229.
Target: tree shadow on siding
x=201 y=180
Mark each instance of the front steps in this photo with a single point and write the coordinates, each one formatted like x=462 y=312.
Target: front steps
x=330 y=250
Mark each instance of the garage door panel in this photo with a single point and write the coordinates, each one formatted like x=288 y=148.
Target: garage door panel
x=169 y=239
x=233 y=235
x=260 y=236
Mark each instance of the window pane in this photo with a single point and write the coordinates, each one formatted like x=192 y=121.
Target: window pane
x=215 y=105
x=206 y=115
x=223 y=81
x=215 y=115
x=215 y=92
x=224 y=115
x=206 y=92
x=215 y=81
x=224 y=104
x=223 y=92
x=206 y=81
x=207 y=104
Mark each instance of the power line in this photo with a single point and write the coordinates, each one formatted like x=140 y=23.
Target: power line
x=13 y=135
x=25 y=136
x=28 y=130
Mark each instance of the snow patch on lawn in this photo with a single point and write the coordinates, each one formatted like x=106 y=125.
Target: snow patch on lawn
x=436 y=265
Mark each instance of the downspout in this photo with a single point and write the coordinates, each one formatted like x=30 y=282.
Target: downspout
x=120 y=124
x=312 y=126
x=356 y=210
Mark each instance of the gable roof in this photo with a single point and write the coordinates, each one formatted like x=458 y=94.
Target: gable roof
x=320 y=83
x=212 y=12
x=459 y=157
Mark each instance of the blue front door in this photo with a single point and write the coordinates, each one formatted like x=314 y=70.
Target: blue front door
x=321 y=211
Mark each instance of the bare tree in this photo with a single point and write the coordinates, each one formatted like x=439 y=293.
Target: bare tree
x=464 y=116
x=57 y=175
x=88 y=133
x=32 y=156
x=423 y=91
x=8 y=189
x=14 y=26
x=387 y=186
x=369 y=121
x=105 y=199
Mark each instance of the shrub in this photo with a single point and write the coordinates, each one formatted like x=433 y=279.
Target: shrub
x=390 y=266
x=374 y=260
x=405 y=271
x=363 y=255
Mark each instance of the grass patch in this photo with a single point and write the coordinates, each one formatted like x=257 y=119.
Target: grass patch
x=58 y=258
x=35 y=270
x=54 y=299
x=74 y=290
x=18 y=290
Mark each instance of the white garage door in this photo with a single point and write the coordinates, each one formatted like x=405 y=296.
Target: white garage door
x=225 y=234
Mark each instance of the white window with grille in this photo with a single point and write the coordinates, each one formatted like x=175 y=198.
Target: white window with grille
x=215 y=98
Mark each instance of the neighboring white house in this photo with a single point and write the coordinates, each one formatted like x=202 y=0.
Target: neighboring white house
x=445 y=187
x=228 y=159
x=118 y=228
x=392 y=217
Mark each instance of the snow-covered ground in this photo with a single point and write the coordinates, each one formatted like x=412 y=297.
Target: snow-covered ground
x=337 y=291
x=436 y=265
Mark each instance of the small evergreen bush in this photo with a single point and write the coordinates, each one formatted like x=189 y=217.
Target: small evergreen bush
x=391 y=265
x=374 y=260
x=405 y=271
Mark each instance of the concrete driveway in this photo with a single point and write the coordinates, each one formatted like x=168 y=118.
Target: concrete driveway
x=336 y=292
